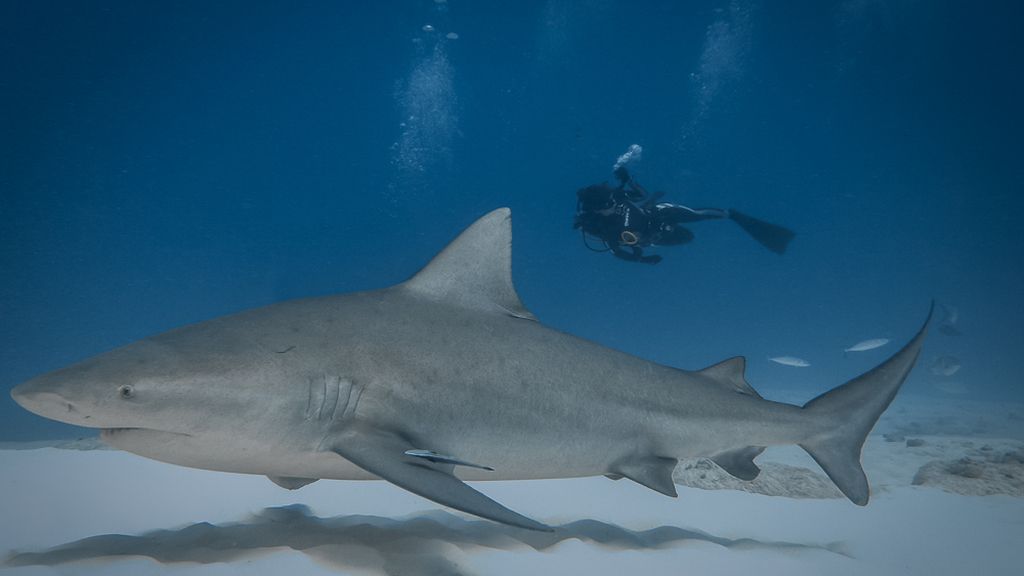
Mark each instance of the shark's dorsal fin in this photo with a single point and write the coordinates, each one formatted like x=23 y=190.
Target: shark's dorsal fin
x=730 y=373
x=475 y=269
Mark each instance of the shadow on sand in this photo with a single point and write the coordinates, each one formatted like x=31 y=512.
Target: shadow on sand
x=430 y=543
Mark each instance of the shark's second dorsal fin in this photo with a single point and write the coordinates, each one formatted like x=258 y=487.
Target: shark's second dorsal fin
x=475 y=269
x=730 y=373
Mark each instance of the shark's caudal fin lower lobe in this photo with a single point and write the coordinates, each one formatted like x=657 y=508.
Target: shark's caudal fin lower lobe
x=848 y=413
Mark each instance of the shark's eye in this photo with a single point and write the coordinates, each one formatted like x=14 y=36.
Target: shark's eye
x=126 y=391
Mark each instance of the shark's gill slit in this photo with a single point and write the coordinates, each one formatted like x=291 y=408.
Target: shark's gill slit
x=317 y=396
x=339 y=404
x=309 y=400
x=323 y=398
x=332 y=391
x=354 y=392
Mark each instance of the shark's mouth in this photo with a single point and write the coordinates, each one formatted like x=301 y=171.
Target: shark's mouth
x=112 y=433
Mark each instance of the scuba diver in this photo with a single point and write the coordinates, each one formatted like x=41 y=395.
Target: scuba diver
x=626 y=219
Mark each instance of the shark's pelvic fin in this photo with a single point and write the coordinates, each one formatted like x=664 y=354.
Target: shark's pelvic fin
x=740 y=463
x=846 y=415
x=442 y=459
x=475 y=269
x=290 y=482
x=653 y=472
x=384 y=454
x=730 y=373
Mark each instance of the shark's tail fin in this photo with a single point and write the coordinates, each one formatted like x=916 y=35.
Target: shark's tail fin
x=845 y=416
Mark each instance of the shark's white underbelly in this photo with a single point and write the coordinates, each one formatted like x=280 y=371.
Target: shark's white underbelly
x=317 y=465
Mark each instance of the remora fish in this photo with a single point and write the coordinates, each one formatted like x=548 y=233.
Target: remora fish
x=791 y=361
x=444 y=373
x=867 y=345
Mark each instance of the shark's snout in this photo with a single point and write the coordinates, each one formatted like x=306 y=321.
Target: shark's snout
x=42 y=400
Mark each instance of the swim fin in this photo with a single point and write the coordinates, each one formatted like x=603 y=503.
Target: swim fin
x=772 y=236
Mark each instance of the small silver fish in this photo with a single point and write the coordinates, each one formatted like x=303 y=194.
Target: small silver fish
x=945 y=366
x=867 y=345
x=791 y=361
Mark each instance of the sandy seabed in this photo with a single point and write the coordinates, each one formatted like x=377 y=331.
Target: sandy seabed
x=105 y=512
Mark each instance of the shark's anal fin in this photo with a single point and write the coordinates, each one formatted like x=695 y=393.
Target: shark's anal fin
x=291 y=482
x=653 y=472
x=442 y=459
x=740 y=463
x=384 y=454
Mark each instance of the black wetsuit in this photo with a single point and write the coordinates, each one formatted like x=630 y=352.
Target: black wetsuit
x=612 y=214
x=626 y=219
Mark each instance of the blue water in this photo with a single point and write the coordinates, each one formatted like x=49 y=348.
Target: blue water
x=165 y=163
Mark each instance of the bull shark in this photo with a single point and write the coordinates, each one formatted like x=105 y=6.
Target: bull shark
x=442 y=379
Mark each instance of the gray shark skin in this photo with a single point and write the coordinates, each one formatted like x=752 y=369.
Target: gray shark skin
x=443 y=378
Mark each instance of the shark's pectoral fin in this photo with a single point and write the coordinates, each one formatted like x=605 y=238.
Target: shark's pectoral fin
x=386 y=455
x=740 y=463
x=290 y=482
x=653 y=472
